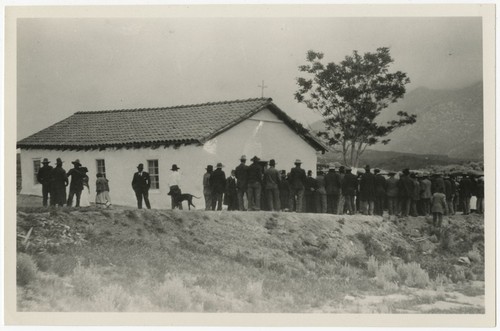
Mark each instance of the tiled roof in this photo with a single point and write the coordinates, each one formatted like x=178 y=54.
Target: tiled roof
x=153 y=126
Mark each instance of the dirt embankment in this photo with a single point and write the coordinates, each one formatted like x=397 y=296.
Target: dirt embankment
x=276 y=246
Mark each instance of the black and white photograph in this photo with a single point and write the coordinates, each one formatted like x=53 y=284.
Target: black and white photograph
x=271 y=163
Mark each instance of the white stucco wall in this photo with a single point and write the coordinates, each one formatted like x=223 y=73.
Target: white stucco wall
x=262 y=135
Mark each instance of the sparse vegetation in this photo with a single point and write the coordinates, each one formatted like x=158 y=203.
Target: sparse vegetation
x=26 y=269
x=220 y=263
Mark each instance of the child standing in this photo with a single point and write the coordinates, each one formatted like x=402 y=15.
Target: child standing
x=438 y=208
x=102 y=188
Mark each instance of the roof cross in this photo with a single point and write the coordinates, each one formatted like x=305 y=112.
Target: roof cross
x=262 y=89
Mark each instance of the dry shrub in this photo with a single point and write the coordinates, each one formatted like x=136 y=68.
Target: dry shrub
x=85 y=281
x=475 y=256
x=25 y=269
x=348 y=272
x=372 y=266
x=44 y=261
x=173 y=294
x=413 y=275
x=64 y=265
x=112 y=298
x=387 y=276
x=254 y=291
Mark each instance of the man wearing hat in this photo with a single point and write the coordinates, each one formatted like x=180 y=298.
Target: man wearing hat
x=59 y=183
x=405 y=190
x=207 y=188
x=218 y=184
x=380 y=192
x=254 y=184
x=392 y=191
x=333 y=188
x=426 y=195
x=140 y=184
x=272 y=180
x=367 y=192
x=174 y=183
x=349 y=188
x=44 y=177
x=241 y=173
x=297 y=181
x=76 y=185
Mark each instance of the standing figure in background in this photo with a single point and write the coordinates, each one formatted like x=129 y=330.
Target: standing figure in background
x=174 y=183
x=140 y=185
x=58 y=186
x=309 y=193
x=207 y=188
x=76 y=185
x=465 y=193
x=480 y=196
x=392 y=190
x=241 y=173
x=340 y=207
x=284 y=188
x=333 y=188
x=254 y=184
x=218 y=184
x=102 y=197
x=44 y=177
x=367 y=192
x=272 y=181
x=448 y=192
x=321 y=204
x=380 y=193
x=231 y=194
x=426 y=195
x=438 y=208
x=415 y=195
x=405 y=190
x=349 y=187
x=297 y=181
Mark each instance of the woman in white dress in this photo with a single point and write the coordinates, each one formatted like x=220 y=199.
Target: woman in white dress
x=85 y=197
x=102 y=188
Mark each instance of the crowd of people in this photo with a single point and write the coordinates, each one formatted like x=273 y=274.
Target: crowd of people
x=339 y=191
x=260 y=186
x=54 y=181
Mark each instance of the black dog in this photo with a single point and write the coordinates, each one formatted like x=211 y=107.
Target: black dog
x=178 y=198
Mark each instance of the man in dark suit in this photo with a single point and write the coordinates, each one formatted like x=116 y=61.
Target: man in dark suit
x=297 y=181
x=241 y=173
x=141 y=184
x=367 y=192
x=76 y=186
x=59 y=181
x=44 y=177
x=218 y=184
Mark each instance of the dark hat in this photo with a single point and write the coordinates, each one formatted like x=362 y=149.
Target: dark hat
x=367 y=167
x=59 y=161
x=255 y=158
x=141 y=166
x=219 y=165
x=376 y=170
x=77 y=161
x=298 y=161
x=174 y=167
x=309 y=172
x=243 y=158
x=272 y=162
x=391 y=173
x=84 y=169
x=45 y=161
x=348 y=169
x=406 y=171
x=209 y=167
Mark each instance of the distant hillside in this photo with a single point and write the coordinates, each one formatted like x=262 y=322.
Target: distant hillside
x=449 y=122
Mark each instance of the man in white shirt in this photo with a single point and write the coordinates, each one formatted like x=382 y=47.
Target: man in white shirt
x=174 y=183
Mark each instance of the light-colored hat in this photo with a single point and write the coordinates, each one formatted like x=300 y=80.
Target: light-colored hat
x=243 y=158
x=298 y=161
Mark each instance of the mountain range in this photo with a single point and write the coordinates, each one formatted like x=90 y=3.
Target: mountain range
x=449 y=123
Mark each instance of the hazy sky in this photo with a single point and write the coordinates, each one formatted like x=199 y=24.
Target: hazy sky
x=70 y=65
